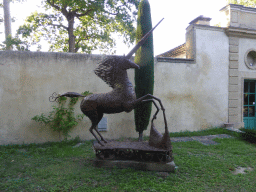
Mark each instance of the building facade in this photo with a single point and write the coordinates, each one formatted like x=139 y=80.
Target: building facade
x=235 y=39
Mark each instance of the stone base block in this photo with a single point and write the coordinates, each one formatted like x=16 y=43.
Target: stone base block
x=145 y=166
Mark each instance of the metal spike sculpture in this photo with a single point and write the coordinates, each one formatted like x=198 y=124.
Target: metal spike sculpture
x=113 y=71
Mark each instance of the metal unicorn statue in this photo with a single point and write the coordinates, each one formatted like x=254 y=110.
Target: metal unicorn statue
x=122 y=98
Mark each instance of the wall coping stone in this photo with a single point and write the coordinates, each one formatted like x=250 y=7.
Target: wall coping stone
x=175 y=60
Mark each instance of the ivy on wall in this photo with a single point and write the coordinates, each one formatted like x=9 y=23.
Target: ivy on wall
x=62 y=118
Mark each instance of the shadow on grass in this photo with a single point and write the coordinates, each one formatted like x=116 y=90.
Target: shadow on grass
x=248 y=135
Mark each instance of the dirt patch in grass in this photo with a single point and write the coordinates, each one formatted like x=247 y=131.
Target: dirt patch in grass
x=242 y=170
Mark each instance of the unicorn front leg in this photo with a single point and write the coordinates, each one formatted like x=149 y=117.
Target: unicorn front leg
x=137 y=101
x=157 y=108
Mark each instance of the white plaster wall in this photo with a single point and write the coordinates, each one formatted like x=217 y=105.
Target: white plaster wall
x=27 y=79
x=196 y=95
x=212 y=51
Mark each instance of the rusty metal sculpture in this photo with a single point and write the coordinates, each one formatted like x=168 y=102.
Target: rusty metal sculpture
x=113 y=71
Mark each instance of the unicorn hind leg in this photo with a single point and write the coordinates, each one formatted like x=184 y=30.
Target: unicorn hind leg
x=91 y=130
x=99 y=118
x=95 y=119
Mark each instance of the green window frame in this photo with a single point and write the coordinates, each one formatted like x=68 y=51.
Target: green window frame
x=249 y=104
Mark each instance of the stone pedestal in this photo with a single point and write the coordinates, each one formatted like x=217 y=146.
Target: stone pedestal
x=145 y=166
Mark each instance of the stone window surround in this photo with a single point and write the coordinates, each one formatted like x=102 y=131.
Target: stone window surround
x=247 y=63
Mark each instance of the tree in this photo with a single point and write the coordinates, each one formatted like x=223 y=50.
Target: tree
x=7 y=22
x=10 y=42
x=144 y=77
x=81 y=25
x=247 y=3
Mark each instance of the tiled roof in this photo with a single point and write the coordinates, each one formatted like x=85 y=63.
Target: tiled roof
x=174 y=52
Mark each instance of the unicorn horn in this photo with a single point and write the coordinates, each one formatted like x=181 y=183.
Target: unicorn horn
x=141 y=42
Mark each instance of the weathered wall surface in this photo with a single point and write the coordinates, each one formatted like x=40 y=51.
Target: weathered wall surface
x=212 y=50
x=27 y=79
x=197 y=94
x=194 y=95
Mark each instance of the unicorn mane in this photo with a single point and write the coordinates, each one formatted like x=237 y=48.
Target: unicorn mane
x=107 y=70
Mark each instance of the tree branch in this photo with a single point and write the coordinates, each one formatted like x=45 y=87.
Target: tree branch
x=77 y=45
x=81 y=39
x=114 y=13
x=83 y=14
x=62 y=10
x=56 y=25
x=76 y=49
x=53 y=5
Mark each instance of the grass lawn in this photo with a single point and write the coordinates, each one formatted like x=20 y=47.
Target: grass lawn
x=61 y=167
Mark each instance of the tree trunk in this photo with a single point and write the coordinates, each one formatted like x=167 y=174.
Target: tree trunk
x=71 y=36
x=141 y=136
x=7 y=21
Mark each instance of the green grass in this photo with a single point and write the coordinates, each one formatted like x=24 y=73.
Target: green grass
x=60 y=167
x=212 y=131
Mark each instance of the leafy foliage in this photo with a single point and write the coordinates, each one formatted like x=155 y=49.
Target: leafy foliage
x=10 y=43
x=144 y=77
x=81 y=25
x=15 y=43
x=247 y=3
x=61 y=118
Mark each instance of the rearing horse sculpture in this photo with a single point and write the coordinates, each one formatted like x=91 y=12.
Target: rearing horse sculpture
x=122 y=98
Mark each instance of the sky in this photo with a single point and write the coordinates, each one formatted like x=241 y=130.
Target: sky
x=169 y=34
